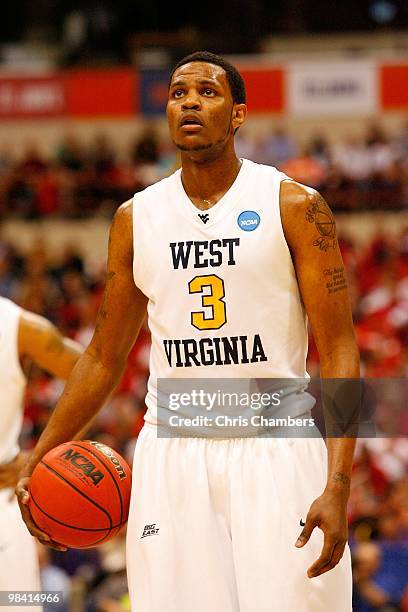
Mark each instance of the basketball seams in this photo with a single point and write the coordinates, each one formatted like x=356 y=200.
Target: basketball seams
x=106 y=536
x=108 y=468
x=73 y=526
x=48 y=467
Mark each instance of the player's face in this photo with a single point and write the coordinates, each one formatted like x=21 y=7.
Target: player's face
x=200 y=110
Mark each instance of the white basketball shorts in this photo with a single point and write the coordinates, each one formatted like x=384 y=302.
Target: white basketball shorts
x=18 y=554
x=213 y=526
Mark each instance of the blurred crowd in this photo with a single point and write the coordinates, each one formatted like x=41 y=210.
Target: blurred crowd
x=80 y=179
x=68 y=290
x=378 y=517
x=356 y=173
x=83 y=179
x=378 y=286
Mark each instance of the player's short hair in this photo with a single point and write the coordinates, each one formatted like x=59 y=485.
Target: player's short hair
x=234 y=78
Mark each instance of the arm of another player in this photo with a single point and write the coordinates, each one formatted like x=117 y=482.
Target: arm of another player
x=310 y=231
x=42 y=342
x=99 y=369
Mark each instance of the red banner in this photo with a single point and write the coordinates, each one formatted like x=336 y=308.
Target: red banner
x=265 y=89
x=394 y=88
x=103 y=93
x=31 y=97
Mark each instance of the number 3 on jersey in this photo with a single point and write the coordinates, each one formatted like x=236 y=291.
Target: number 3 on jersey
x=214 y=299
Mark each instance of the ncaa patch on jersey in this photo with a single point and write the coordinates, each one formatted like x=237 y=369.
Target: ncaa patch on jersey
x=249 y=220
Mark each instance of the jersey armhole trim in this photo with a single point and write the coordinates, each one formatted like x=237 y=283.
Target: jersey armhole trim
x=17 y=351
x=288 y=179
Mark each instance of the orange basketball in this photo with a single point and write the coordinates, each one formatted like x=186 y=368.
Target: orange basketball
x=80 y=493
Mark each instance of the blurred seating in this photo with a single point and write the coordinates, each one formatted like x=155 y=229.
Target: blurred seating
x=367 y=173
x=85 y=179
x=80 y=179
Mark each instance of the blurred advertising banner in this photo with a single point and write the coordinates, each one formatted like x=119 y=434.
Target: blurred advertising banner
x=326 y=88
x=153 y=91
x=32 y=97
x=332 y=88
x=102 y=93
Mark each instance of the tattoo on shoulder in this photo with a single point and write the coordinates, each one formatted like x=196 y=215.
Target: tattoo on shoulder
x=334 y=279
x=320 y=214
x=342 y=478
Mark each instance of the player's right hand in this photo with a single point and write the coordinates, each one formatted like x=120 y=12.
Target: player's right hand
x=23 y=497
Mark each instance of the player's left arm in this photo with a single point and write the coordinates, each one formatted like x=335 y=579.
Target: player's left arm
x=43 y=343
x=310 y=231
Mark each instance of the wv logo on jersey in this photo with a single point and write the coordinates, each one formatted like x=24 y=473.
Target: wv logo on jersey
x=249 y=220
x=204 y=218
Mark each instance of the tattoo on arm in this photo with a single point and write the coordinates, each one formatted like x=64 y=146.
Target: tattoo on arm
x=320 y=214
x=58 y=347
x=342 y=478
x=335 y=279
x=55 y=345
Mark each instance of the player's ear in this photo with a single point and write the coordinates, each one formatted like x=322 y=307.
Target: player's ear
x=239 y=114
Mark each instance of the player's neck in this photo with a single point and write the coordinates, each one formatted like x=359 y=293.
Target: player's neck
x=205 y=182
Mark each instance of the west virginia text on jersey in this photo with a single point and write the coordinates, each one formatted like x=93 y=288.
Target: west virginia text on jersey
x=223 y=301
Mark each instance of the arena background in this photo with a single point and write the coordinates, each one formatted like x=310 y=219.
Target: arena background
x=82 y=93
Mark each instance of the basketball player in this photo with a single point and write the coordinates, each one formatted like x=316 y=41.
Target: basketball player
x=228 y=257
x=23 y=335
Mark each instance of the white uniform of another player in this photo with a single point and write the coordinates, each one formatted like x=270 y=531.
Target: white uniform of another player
x=18 y=557
x=213 y=522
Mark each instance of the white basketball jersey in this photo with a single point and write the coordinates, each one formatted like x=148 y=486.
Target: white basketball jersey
x=223 y=297
x=12 y=381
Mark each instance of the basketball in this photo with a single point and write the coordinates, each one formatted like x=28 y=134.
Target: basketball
x=80 y=493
